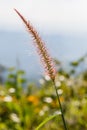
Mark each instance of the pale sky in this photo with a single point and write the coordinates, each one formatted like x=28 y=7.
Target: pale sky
x=51 y=15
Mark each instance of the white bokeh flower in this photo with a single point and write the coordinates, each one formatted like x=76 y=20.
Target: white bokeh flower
x=12 y=90
x=41 y=113
x=61 y=78
x=57 y=112
x=41 y=81
x=47 y=78
x=58 y=84
x=14 y=117
x=60 y=91
x=7 y=98
x=48 y=99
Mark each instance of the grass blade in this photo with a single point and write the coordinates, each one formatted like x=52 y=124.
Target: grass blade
x=46 y=120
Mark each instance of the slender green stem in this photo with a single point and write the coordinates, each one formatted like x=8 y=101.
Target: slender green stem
x=60 y=107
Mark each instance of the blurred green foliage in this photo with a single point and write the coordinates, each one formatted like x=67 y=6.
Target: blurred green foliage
x=24 y=105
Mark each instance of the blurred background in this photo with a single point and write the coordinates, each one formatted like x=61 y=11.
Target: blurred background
x=62 y=24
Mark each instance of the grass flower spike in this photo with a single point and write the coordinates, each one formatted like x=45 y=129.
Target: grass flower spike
x=44 y=56
x=41 y=48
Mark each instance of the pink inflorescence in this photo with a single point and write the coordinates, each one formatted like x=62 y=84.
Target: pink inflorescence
x=41 y=49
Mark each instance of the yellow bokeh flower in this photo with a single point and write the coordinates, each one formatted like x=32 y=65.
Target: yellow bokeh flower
x=33 y=99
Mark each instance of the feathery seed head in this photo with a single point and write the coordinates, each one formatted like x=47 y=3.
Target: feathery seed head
x=46 y=60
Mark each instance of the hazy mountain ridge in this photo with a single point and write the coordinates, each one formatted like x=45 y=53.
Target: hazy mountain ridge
x=16 y=46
